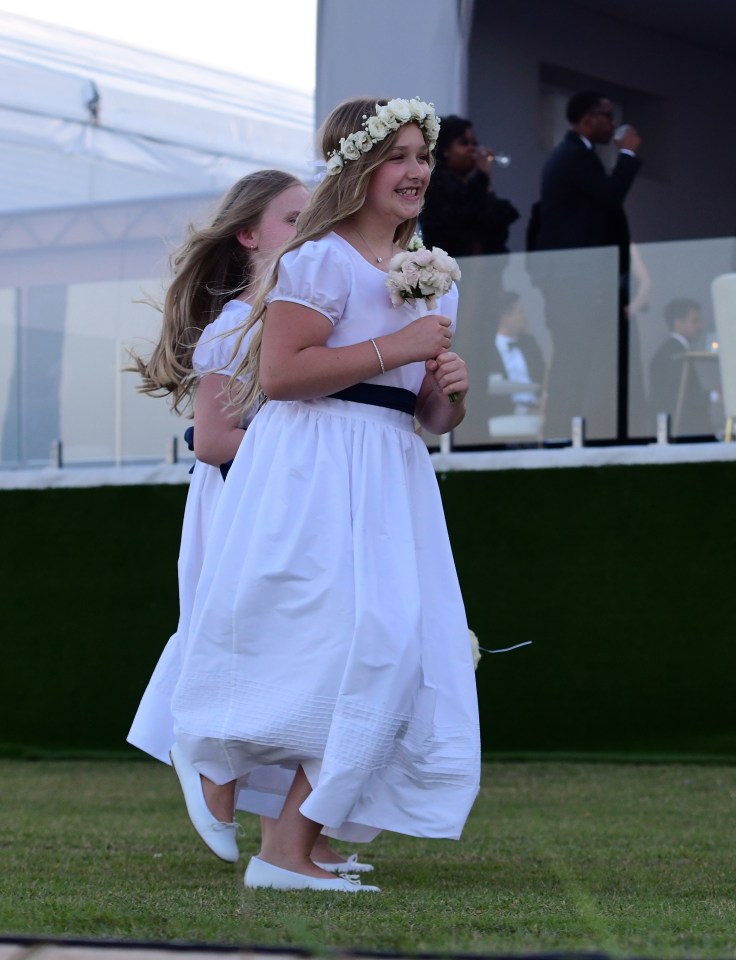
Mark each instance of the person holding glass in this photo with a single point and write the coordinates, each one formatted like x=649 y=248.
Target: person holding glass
x=582 y=206
x=462 y=213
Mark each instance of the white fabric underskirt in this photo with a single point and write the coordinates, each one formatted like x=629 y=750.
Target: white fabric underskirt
x=328 y=628
x=153 y=725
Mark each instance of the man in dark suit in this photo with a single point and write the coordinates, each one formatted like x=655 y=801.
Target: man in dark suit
x=581 y=206
x=516 y=357
x=668 y=377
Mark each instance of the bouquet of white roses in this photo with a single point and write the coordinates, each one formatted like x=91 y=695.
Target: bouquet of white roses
x=420 y=274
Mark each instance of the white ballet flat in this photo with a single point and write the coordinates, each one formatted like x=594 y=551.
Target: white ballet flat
x=262 y=875
x=220 y=837
x=351 y=865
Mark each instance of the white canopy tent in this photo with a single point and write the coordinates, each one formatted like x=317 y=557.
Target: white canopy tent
x=85 y=120
x=108 y=153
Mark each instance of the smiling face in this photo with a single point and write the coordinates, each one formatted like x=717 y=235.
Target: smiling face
x=398 y=185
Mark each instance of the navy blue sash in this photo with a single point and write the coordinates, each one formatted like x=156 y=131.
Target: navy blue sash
x=189 y=440
x=394 y=398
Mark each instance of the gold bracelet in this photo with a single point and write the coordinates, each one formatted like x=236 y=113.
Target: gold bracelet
x=378 y=354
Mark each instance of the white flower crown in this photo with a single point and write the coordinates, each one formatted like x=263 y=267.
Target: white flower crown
x=385 y=120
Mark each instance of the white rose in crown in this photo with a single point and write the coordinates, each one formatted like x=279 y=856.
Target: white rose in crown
x=377 y=128
x=431 y=128
x=418 y=108
x=362 y=141
x=334 y=164
x=386 y=115
x=387 y=119
x=349 y=148
x=400 y=109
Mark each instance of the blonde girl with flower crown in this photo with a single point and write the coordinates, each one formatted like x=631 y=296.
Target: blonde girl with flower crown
x=328 y=637
x=215 y=273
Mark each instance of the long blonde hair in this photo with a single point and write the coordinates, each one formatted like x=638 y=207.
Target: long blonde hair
x=334 y=200
x=209 y=268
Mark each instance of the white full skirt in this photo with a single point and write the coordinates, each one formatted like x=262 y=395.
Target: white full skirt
x=328 y=629
x=153 y=725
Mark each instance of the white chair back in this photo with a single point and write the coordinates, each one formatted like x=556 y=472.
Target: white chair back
x=723 y=292
x=516 y=426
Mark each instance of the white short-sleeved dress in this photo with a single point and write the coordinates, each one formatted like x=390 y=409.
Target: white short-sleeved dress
x=153 y=725
x=328 y=628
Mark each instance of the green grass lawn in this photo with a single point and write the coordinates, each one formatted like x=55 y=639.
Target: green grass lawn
x=627 y=859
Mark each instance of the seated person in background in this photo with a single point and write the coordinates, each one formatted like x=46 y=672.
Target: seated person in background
x=462 y=215
x=515 y=357
x=667 y=374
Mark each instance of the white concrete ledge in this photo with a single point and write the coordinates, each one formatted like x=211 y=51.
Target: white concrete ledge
x=163 y=473
x=120 y=951
x=50 y=477
x=652 y=453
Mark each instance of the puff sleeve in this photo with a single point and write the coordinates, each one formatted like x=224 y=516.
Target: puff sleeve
x=316 y=275
x=215 y=352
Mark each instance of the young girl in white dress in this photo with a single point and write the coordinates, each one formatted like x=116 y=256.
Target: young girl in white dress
x=214 y=272
x=328 y=635
x=215 y=275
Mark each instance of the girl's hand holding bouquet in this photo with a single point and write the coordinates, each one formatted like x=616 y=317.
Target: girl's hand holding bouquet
x=421 y=274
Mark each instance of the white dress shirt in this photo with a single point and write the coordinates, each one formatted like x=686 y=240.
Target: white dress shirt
x=589 y=145
x=514 y=363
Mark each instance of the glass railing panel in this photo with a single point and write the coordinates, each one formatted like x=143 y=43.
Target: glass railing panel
x=674 y=363
x=63 y=349
x=559 y=310
x=10 y=452
x=87 y=399
x=41 y=370
x=104 y=320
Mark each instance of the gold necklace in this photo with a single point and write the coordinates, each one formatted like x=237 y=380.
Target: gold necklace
x=370 y=248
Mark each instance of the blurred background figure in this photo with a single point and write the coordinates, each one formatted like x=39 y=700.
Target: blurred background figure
x=581 y=203
x=462 y=213
x=581 y=206
x=515 y=359
x=641 y=288
x=675 y=386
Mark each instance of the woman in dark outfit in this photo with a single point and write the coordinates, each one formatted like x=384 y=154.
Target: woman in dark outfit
x=461 y=213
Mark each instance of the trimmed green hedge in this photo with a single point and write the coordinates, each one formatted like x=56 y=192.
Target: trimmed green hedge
x=91 y=598
x=621 y=576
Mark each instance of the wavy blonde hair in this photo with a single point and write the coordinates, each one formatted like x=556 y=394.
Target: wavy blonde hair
x=333 y=201
x=209 y=269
